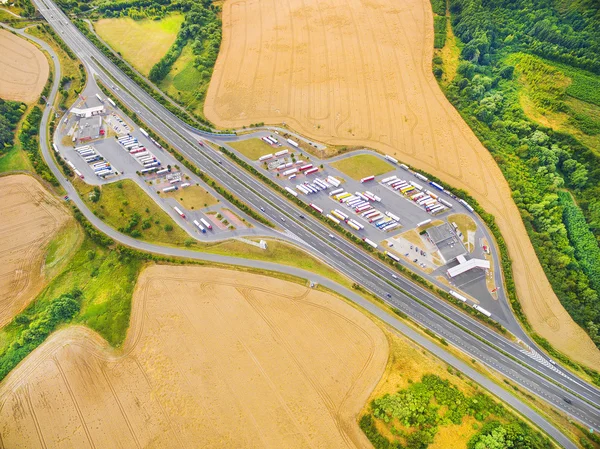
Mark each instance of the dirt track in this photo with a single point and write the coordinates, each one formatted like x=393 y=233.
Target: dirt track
x=359 y=73
x=30 y=218
x=23 y=69
x=213 y=359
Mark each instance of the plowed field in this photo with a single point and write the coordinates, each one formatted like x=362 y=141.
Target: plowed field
x=358 y=72
x=30 y=217
x=213 y=359
x=23 y=69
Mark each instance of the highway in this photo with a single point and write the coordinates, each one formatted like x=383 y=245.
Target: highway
x=345 y=257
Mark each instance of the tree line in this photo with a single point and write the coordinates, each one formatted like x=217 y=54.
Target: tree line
x=10 y=114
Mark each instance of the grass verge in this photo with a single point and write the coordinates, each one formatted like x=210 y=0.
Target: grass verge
x=252 y=148
x=193 y=197
x=124 y=206
x=362 y=165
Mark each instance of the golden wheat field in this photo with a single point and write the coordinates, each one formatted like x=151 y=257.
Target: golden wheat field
x=30 y=218
x=23 y=69
x=214 y=358
x=358 y=72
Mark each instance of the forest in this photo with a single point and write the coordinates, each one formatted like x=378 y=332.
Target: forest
x=540 y=163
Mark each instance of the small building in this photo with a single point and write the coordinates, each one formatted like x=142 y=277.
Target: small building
x=446 y=241
x=90 y=128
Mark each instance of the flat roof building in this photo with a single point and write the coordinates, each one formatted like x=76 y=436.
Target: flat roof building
x=90 y=128
x=448 y=244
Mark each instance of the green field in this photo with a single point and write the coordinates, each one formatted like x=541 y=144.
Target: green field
x=126 y=207
x=561 y=97
x=252 y=148
x=141 y=42
x=185 y=83
x=15 y=159
x=363 y=165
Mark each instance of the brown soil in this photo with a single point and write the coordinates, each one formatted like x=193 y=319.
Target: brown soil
x=30 y=218
x=359 y=73
x=214 y=358
x=23 y=69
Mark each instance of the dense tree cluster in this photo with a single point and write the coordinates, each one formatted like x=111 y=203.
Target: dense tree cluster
x=29 y=139
x=555 y=29
x=415 y=414
x=538 y=162
x=34 y=324
x=10 y=114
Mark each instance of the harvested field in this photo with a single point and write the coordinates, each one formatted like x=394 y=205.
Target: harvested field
x=23 y=69
x=359 y=73
x=30 y=218
x=213 y=358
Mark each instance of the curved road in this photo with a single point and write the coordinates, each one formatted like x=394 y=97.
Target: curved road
x=354 y=262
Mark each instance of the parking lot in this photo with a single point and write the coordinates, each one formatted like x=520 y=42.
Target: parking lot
x=125 y=151
x=391 y=211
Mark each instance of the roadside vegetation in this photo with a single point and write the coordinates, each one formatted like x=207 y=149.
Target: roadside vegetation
x=124 y=206
x=192 y=198
x=73 y=74
x=29 y=142
x=362 y=165
x=526 y=60
x=251 y=148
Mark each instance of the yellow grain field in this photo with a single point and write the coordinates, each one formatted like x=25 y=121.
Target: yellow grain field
x=23 y=69
x=30 y=218
x=358 y=72
x=214 y=359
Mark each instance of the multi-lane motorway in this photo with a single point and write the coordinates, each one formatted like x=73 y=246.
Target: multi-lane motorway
x=345 y=257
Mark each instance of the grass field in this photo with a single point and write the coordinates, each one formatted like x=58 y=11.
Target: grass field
x=449 y=56
x=560 y=97
x=237 y=360
x=363 y=165
x=60 y=249
x=122 y=202
x=185 y=83
x=141 y=42
x=192 y=198
x=15 y=159
x=252 y=148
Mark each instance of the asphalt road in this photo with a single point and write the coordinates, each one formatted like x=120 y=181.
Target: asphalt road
x=348 y=259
